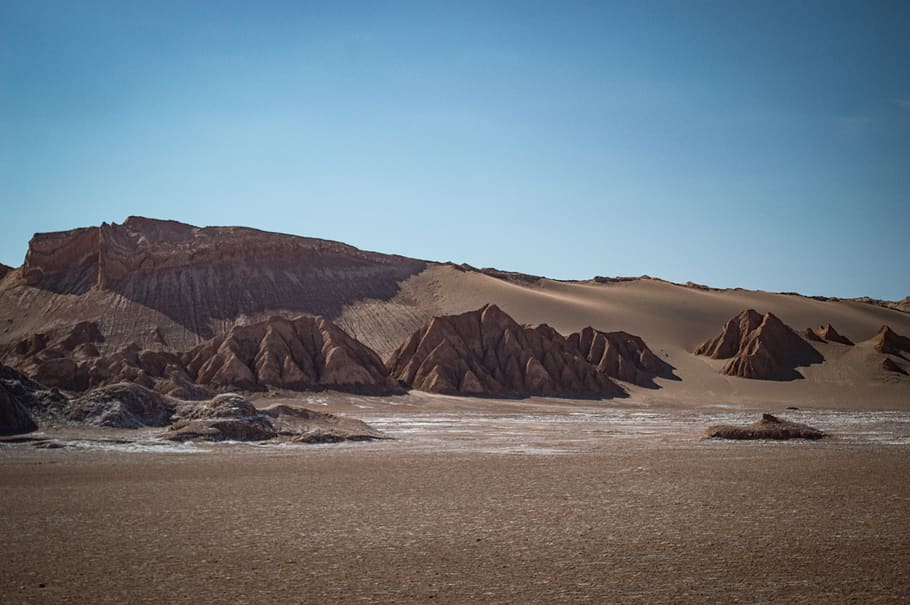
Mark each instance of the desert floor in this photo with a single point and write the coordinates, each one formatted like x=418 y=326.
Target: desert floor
x=536 y=501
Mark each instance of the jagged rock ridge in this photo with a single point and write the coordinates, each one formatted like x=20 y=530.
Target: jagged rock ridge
x=621 y=355
x=297 y=354
x=302 y=354
x=487 y=352
x=760 y=347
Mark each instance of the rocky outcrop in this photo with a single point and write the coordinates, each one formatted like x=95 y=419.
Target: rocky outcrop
x=304 y=353
x=70 y=360
x=826 y=333
x=24 y=402
x=889 y=342
x=485 y=352
x=760 y=347
x=732 y=336
x=300 y=425
x=301 y=354
x=232 y=417
x=125 y=406
x=621 y=356
x=890 y=365
x=203 y=277
x=4 y=269
x=767 y=427
x=15 y=418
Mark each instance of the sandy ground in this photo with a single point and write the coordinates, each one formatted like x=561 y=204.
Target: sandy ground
x=541 y=501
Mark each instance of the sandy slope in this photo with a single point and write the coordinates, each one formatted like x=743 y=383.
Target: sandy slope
x=672 y=319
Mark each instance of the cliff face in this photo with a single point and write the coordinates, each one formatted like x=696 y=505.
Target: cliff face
x=205 y=278
x=760 y=347
x=487 y=352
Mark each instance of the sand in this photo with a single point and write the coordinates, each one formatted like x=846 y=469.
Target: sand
x=474 y=501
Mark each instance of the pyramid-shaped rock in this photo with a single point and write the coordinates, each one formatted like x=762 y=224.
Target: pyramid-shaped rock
x=826 y=333
x=620 y=355
x=889 y=342
x=760 y=347
x=301 y=353
x=487 y=352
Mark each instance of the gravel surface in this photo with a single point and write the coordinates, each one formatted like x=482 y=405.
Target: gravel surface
x=550 y=508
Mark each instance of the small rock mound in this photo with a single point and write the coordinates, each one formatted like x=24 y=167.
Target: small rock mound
x=124 y=405
x=767 y=427
x=889 y=342
x=760 y=347
x=891 y=366
x=826 y=333
x=306 y=426
x=621 y=356
x=233 y=417
x=485 y=352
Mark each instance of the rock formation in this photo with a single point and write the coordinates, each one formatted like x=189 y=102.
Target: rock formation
x=14 y=415
x=620 y=355
x=303 y=353
x=760 y=347
x=233 y=417
x=23 y=401
x=125 y=406
x=485 y=352
x=889 y=342
x=767 y=427
x=891 y=366
x=826 y=333
x=203 y=277
x=732 y=336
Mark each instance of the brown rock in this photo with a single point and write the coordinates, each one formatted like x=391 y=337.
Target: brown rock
x=768 y=427
x=487 y=352
x=620 y=355
x=306 y=426
x=827 y=333
x=891 y=366
x=810 y=334
x=303 y=353
x=205 y=279
x=734 y=332
x=767 y=349
x=233 y=417
x=890 y=342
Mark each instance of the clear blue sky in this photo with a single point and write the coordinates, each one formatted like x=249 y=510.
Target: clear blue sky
x=756 y=144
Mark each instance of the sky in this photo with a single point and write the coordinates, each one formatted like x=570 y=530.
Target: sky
x=763 y=145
